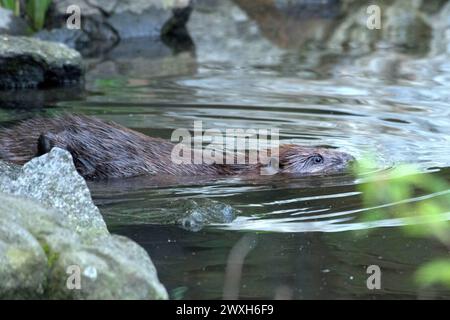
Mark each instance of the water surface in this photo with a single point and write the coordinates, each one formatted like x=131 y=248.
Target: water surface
x=294 y=238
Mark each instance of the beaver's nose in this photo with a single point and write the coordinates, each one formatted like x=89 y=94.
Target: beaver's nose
x=346 y=159
x=349 y=161
x=349 y=158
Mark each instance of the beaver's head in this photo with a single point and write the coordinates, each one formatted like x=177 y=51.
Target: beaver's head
x=312 y=160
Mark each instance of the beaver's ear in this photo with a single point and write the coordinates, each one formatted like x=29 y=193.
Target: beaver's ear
x=272 y=167
x=44 y=145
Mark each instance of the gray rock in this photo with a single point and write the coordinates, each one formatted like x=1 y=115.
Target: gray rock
x=134 y=25
x=23 y=263
x=58 y=9
x=51 y=225
x=95 y=36
x=108 y=21
x=402 y=26
x=441 y=32
x=100 y=264
x=143 y=18
x=241 y=41
x=406 y=27
x=72 y=38
x=53 y=181
x=39 y=251
x=8 y=171
x=28 y=62
x=10 y=24
x=140 y=6
x=340 y=25
x=307 y=8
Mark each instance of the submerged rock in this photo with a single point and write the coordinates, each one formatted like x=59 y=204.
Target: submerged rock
x=30 y=63
x=54 y=243
x=201 y=212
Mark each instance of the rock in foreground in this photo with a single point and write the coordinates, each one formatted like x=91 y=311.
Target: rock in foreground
x=60 y=248
x=53 y=181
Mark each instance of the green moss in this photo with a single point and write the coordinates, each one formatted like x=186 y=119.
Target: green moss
x=52 y=256
x=18 y=257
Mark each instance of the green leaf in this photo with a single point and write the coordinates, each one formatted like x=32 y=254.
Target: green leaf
x=435 y=272
x=8 y=4
x=36 y=11
x=13 y=5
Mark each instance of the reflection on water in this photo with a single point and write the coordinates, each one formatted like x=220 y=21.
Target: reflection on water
x=306 y=265
x=301 y=230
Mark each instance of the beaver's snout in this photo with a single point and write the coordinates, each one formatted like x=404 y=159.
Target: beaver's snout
x=347 y=161
x=345 y=158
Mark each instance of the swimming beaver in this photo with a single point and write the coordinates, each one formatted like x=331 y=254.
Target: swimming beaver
x=108 y=150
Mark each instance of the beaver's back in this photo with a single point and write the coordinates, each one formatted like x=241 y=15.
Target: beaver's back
x=99 y=149
x=19 y=143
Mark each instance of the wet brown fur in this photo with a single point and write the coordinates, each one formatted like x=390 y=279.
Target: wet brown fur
x=108 y=150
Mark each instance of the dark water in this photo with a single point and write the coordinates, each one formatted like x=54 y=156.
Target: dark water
x=294 y=238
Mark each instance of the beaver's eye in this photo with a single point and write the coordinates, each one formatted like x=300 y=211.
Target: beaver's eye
x=317 y=159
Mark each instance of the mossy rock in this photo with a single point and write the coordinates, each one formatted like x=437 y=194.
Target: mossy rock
x=31 y=63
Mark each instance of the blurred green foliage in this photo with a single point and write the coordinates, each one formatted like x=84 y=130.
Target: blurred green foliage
x=421 y=200
x=434 y=272
x=35 y=11
x=13 y=5
x=110 y=83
